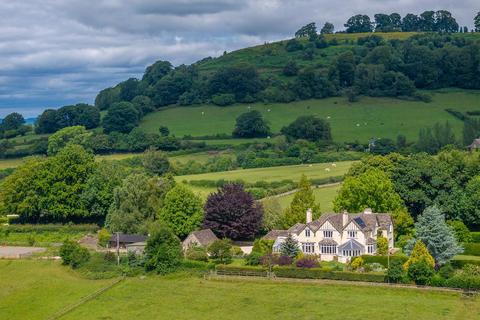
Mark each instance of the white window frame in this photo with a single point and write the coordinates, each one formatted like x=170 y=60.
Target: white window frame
x=307 y=233
x=328 y=249
x=352 y=234
x=328 y=234
x=371 y=248
x=308 y=247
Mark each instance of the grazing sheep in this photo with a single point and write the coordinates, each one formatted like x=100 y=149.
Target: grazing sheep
x=327 y=169
x=334 y=165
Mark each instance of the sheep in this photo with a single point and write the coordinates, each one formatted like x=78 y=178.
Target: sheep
x=327 y=169
x=334 y=165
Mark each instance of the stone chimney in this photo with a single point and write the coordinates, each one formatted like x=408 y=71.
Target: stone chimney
x=367 y=211
x=344 y=217
x=309 y=215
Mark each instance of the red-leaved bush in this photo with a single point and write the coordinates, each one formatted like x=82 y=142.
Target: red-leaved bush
x=307 y=262
x=284 y=260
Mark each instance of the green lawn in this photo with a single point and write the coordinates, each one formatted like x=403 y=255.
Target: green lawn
x=465 y=257
x=323 y=195
x=362 y=120
x=314 y=171
x=33 y=289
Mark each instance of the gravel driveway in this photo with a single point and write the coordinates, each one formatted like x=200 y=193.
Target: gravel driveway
x=18 y=252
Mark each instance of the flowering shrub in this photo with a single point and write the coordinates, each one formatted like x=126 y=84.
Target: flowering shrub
x=284 y=260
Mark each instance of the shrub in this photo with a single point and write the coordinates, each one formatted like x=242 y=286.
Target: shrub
x=420 y=272
x=262 y=246
x=163 y=252
x=395 y=273
x=462 y=281
x=196 y=253
x=471 y=270
x=383 y=260
x=446 y=271
x=103 y=237
x=475 y=237
x=109 y=256
x=73 y=254
x=357 y=263
x=461 y=231
x=221 y=251
x=31 y=240
x=223 y=100
x=284 y=260
x=290 y=247
x=253 y=259
x=237 y=252
x=307 y=262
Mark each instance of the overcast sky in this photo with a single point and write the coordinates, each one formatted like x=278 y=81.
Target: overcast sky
x=56 y=52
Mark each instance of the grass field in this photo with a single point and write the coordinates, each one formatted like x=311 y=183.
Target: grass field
x=323 y=195
x=362 y=120
x=315 y=171
x=38 y=289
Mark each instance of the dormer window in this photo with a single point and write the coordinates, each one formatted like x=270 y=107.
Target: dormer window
x=328 y=234
x=352 y=234
x=307 y=233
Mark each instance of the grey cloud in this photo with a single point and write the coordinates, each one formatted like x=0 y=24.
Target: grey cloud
x=56 y=52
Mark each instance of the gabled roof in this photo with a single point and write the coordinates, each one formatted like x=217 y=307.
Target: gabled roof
x=128 y=238
x=274 y=234
x=205 y=237
x=297 y=228
x=371 y=241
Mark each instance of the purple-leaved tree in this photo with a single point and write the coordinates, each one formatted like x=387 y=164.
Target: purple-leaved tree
x=232 y=213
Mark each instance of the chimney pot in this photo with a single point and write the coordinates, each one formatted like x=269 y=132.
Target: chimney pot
x=344 y=217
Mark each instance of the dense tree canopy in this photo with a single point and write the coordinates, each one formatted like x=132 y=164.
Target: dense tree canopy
x=372 y=189
x=241 y=80
x=232 y=213
x=359 y=23
x=182 y=211
x=121 y=117
x=309 y=128
x=49 y=190
x=163 y=252
x=69 y=135
x=307 y=30
x=12 y=121
x=136 y=203
x=74 y=115
x=327 y=28
x=251 y=125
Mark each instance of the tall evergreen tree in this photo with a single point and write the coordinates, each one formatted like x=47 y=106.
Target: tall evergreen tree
x=438 y=237
x=290 y=247
x=303 y=200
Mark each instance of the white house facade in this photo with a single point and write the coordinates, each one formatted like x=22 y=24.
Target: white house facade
x=339 y=236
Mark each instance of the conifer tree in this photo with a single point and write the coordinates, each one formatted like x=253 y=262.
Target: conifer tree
x=438 y=237
x=290 y=247
x=303 y=200
x=419 y=253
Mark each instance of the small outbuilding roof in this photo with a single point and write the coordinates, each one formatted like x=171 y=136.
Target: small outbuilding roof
x=205 y=237
x=328 y=242
x=128 y=238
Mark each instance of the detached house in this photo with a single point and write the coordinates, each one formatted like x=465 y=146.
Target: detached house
x=338 y=236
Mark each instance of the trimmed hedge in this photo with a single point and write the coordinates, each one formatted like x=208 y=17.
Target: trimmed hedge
x=459 y=263
x=471 y=249
x=319 y=273
x=201 y=265
x=383 y=260
x=39 y=228
x=475 y=237
x=311 y=273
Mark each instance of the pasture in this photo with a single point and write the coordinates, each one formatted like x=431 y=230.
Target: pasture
x=313 y=171
x=38 y=289
x=323 y=195
x=362 y=120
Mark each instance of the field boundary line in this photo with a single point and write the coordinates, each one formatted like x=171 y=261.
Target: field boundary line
x=84 y=300
x=258 y=278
